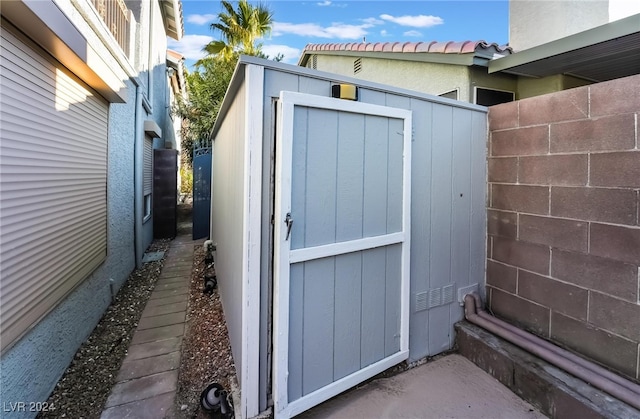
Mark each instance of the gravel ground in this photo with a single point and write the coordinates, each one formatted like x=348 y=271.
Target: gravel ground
x=84 y=387
x=206 y=354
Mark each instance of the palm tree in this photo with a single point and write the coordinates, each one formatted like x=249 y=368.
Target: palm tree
x=239 y=29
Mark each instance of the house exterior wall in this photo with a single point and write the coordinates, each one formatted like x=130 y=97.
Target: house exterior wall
x=563 y=219
x=529 y=87
x=533 y=23
x=33 y=365
x=423 y=77
x=31 y=368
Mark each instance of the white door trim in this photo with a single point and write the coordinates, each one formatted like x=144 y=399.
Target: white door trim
x=284 y=256
x=334 y=249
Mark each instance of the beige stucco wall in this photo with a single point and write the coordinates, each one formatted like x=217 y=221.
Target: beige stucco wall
x=529 y=87
x=429 y=78
x=533 y=22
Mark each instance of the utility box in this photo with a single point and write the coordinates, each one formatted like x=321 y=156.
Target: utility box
x=343 y=228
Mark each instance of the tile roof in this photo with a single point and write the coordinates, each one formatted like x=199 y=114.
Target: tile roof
x=451 y=47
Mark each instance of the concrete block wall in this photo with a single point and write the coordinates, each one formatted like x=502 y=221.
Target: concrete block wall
x=563 y=226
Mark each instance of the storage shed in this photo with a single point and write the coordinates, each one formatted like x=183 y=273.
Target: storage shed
x=345 y=230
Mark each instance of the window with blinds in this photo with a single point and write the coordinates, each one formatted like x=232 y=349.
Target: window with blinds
x=53 y=198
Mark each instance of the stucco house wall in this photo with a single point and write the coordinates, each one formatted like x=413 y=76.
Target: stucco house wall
x=32 y=366
x=430 y=78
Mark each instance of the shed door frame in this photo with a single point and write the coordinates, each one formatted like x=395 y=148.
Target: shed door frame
x=284 y=257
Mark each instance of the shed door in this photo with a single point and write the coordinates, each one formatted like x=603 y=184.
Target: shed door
x=341 y=302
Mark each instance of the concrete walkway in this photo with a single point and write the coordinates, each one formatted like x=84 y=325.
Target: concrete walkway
x=148 y=379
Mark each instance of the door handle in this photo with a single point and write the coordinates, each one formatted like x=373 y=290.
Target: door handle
x=289 y=222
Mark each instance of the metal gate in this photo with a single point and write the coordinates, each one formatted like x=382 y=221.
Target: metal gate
x=201 y=215
x=342 y=237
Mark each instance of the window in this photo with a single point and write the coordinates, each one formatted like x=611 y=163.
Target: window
x=147 y=207
x=489 y=97
x=314 y=62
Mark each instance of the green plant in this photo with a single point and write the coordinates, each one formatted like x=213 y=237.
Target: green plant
x=186 y=180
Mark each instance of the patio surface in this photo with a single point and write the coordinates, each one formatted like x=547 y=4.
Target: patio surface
x=449 y=387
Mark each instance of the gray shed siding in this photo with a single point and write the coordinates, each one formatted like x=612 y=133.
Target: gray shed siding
x=227 y=224
x=447 y=207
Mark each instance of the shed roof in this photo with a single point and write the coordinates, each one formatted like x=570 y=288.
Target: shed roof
x=474 y=52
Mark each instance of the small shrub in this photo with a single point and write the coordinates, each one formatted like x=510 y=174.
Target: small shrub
x=186 y=180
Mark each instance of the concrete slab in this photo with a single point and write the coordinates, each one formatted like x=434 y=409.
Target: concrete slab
x=554 y=391
x=450 y=387
x=183 y=290
x=164 y=309
x=151 y=408
x=143 y=388
x=151 y=349
x=182 y=279
x=148 y=366
x=166 y=300
x=152 y=256
x=159 y=333
x=170 y=286
x=162 y=320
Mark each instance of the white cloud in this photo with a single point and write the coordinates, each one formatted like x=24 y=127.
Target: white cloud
x=412 y=33
x=372 y=21
x=384 y=33
x=201 y=19
x=325 y=3
x=190 y=45
x=291 y=55
x=336 y=30
x=419 y=21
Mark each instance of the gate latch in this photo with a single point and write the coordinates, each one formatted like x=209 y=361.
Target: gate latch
x=289 y=222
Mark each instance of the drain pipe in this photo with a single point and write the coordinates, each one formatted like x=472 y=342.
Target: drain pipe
x=138 y=155
x=480 y=311
x=628 y=393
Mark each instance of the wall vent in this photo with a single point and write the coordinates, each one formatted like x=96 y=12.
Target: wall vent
x=435 y=297
x=447 y=294
x=314 y=62
x=357 y=66
x=421 y=302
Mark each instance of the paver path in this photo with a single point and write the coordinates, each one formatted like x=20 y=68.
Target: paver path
x=148 y=379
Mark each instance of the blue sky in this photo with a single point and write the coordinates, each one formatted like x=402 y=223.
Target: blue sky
x=298 y=23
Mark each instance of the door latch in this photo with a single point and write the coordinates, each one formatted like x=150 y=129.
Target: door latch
x=289 y=222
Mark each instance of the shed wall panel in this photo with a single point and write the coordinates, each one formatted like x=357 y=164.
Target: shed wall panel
x=228 y=203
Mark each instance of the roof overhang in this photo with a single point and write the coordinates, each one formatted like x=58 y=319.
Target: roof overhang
x=173 y=20
x=603 y=53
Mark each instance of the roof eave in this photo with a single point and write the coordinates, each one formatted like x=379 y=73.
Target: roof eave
x=604 y=33
x=173 y=19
